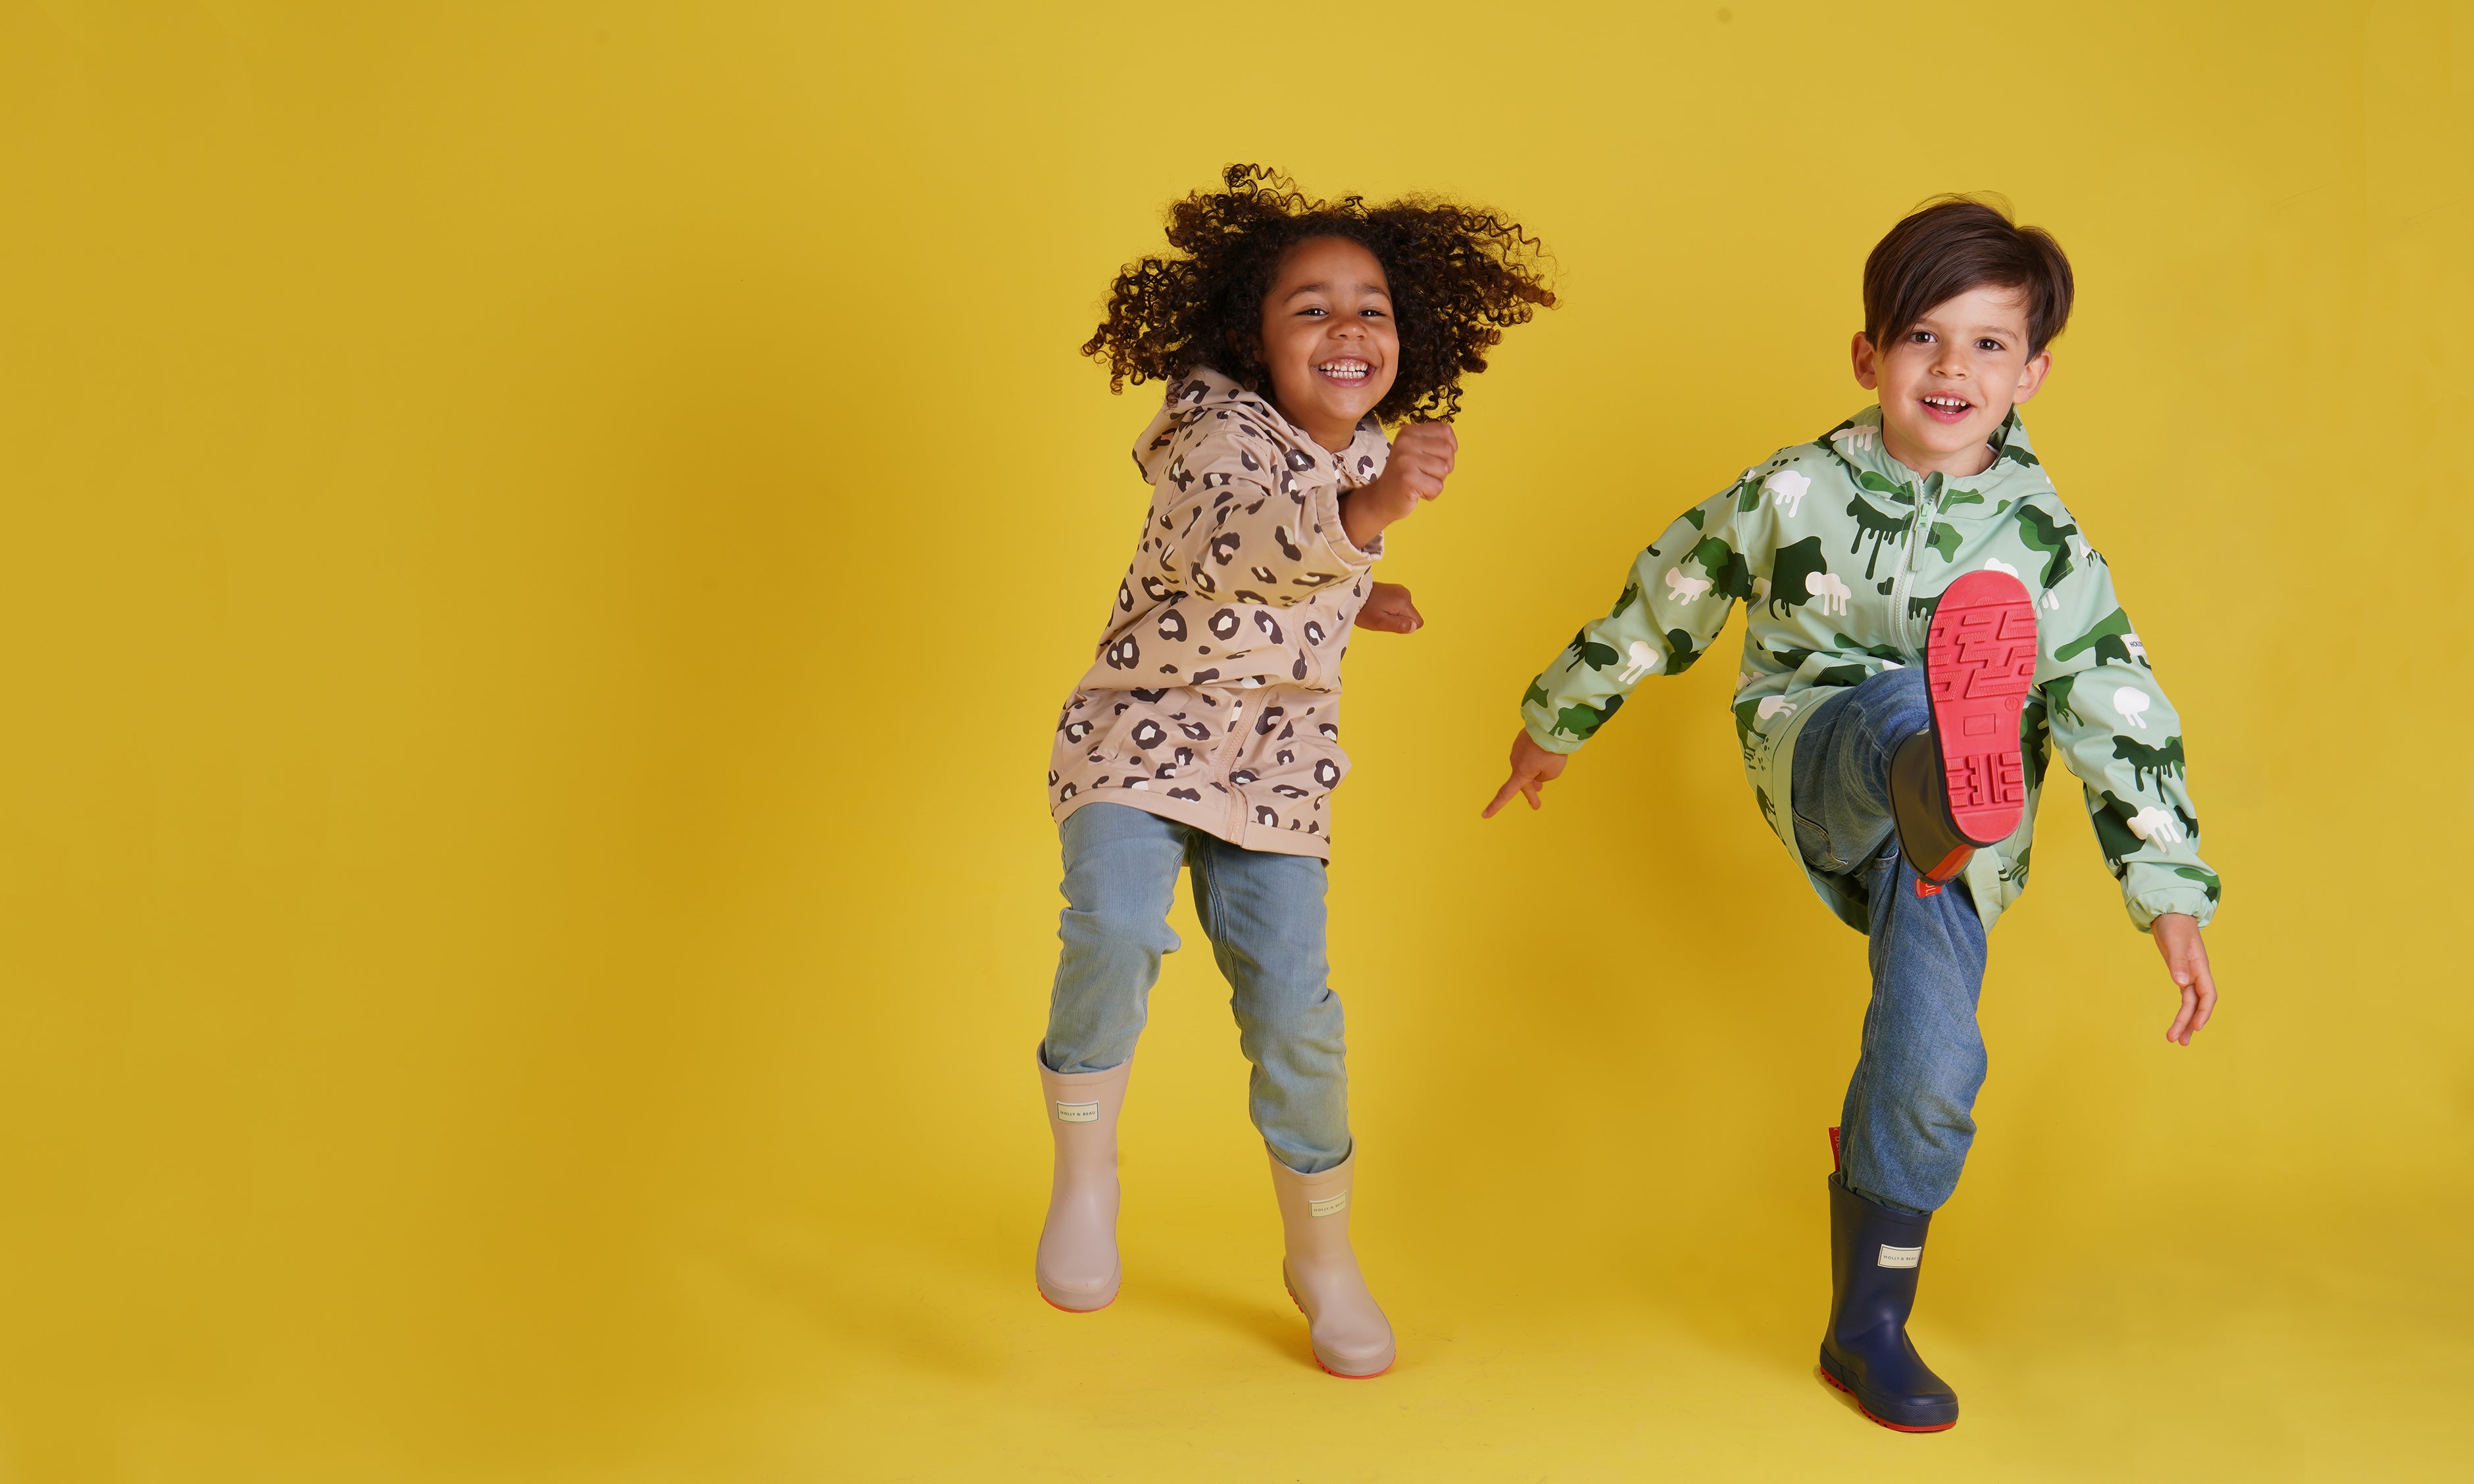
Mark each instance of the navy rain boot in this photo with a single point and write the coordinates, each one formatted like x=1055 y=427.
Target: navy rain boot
x=1874 y=1253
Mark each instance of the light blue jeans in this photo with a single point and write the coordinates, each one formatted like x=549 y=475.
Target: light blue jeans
x=1264 y=914
x=1910 y=1118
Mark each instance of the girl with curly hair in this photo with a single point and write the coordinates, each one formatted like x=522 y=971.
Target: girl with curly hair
x=1289 y=333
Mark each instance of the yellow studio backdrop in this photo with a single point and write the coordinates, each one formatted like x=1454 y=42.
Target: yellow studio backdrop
x=541 y=546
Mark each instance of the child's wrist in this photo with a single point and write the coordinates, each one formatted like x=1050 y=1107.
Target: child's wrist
x=1361 y=519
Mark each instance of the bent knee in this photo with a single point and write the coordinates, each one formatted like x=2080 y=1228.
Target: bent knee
x=1948 y=1101
x=1897 y=696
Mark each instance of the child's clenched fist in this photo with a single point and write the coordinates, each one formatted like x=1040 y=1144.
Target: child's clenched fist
x=1387 y=609
x=1421 y=460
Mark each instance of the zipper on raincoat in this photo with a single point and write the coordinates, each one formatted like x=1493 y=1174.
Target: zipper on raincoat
x=1901 y=590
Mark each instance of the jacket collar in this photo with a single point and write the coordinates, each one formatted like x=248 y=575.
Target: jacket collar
x=2013 y=475
x=1204 y=392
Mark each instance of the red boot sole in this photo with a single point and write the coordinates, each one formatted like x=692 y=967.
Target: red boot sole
x=1980 y=665
x=1868 y=1411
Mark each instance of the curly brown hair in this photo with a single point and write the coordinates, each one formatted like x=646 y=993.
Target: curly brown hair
x=1458 y=276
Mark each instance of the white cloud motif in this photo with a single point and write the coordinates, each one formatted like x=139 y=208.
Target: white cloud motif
x=1644 y=659
x=2129 y=701
x=1996 y=564
x=1858 y=437
x=1684 y=588
x=1787 y=489
x=2155 y=823
x=1773 y=706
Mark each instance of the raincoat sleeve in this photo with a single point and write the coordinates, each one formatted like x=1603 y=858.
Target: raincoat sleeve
x=1675 y=600
x=1234 y=522
x=2119 y=734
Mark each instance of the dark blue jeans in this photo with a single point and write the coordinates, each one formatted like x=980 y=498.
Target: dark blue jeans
x=1909 y=1121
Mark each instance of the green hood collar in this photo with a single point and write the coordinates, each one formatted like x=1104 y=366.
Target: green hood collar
x=2015 y=473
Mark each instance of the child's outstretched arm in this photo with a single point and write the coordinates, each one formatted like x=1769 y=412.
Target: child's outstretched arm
x=2116 y=729
x=1676 y=599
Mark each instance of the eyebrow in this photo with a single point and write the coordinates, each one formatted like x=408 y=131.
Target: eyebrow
x=1321 y=288
x=2012 y=331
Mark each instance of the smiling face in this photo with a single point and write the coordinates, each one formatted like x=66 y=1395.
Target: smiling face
x=1328 y=339
x=1949 y=380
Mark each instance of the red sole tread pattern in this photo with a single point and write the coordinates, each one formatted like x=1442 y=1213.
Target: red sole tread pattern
x=1980 y=665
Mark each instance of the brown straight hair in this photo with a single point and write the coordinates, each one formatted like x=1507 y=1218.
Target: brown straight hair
x=1955 y=243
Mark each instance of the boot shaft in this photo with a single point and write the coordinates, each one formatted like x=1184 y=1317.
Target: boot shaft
x=1876 y=1254
x=1081 y=1108
x=1314 y=1209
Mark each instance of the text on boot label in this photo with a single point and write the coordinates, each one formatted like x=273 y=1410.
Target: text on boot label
x=1329 y=1206
x=1084 y=1113
x=1901 y=1257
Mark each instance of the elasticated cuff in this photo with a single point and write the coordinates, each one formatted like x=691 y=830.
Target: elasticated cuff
x=2148 y=906
x=1326 y=514
x=1547 y=740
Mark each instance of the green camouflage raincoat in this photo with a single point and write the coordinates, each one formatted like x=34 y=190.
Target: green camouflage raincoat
x=1839 y=552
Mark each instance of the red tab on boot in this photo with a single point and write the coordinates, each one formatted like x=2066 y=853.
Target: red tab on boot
x=1836 y=1164
x=1926 y=888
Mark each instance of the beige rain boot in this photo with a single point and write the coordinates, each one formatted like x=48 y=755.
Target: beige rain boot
x=1351 y=1338
x=1077 y=1269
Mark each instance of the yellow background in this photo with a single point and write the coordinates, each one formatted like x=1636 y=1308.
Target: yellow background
x=541 y=544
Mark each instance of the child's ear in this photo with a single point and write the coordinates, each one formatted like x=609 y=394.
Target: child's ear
x=1868 y=366
x=2031 y=377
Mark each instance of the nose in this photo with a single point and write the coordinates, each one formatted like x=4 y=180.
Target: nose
x=1949 y=360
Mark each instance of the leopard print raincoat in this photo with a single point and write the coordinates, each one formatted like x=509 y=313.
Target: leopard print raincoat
x=1215 y=697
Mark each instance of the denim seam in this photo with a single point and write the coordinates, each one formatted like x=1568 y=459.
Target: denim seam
x=1217 y=926
x=1204 y=865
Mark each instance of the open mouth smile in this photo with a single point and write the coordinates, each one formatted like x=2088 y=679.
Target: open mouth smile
x=1348 y=370
x=1947 y=409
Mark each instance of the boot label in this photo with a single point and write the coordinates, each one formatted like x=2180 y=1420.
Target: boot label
x=1331 y=1206
x=1901 y=1257
x=1077 y=1113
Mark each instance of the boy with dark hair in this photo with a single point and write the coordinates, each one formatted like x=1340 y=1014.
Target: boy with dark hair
x=1925 y=624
